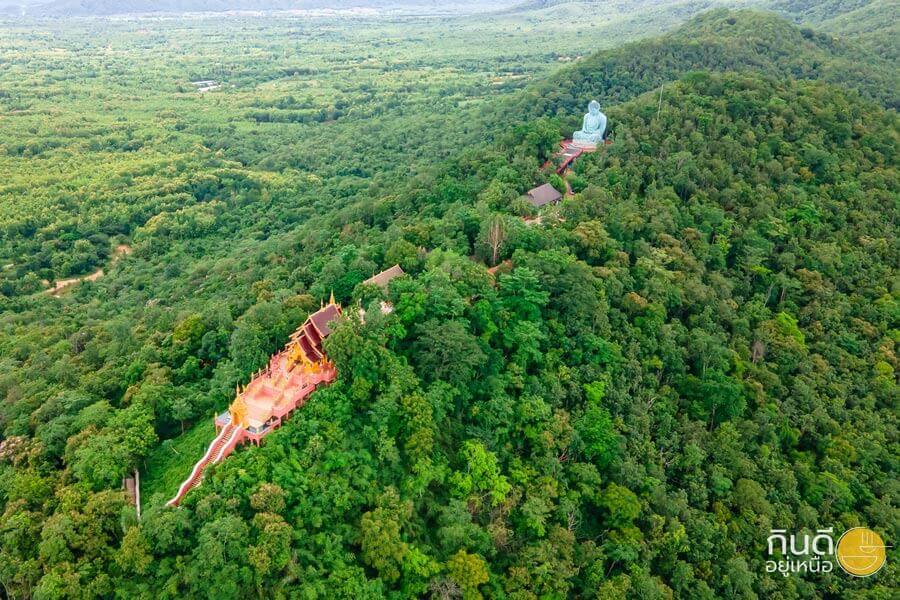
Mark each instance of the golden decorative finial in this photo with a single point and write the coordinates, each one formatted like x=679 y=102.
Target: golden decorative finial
x=331 y=300
x=238 y=410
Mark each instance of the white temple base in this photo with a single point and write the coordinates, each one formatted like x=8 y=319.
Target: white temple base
x=585 y=146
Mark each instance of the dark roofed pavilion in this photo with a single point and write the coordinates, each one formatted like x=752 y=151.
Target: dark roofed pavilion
x=384 y=278
x=543 y=195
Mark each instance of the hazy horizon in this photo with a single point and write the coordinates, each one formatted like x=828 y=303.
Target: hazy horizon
x=100 y=8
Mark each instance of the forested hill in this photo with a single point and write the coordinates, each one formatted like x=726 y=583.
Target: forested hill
x=718 y=40
x=875 y=24
x=703 y=348
x=829 y=12
x=700 y=352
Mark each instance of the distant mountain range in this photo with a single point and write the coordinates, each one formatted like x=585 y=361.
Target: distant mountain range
x=86 y=8
x=868 y=14
x=872 y=24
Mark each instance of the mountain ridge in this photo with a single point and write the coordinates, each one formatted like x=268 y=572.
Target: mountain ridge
x=717 y=40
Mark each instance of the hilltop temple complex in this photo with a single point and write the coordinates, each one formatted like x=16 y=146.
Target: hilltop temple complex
x=273 y=393
x=591 y=135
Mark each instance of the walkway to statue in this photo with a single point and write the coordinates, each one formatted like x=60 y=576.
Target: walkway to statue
x=568 y=151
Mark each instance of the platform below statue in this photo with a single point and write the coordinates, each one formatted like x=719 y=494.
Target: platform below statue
x=568 y=151
x=585 y=146
x=571 y=147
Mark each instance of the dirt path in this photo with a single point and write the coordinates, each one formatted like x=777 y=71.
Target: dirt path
x=64 y=284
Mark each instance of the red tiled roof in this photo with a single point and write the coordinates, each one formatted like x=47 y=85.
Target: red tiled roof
x=323 y=317
x=312 y=333
x=309 y=336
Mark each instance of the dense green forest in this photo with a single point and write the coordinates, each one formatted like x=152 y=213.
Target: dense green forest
x=696 y=347
x=103 y=130
x=717 y=41
x=874 y=24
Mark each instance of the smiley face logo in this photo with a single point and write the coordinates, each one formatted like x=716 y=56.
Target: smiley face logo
x=861 y=552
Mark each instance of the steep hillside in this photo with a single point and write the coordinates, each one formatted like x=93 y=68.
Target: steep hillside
x=822 y=11
x=702 y=350
x=873 y=24
x=718 y=40
x=702 y=347
x=698 y=346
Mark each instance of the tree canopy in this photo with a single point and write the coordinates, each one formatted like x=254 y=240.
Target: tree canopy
x=619 y=401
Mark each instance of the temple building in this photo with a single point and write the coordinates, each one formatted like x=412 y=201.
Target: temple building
x=543 y=195
x=273 y=393
x=384 y=278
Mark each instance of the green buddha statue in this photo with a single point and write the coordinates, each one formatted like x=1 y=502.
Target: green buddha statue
x=592 y=128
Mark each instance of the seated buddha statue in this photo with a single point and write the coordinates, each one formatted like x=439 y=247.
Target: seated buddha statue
x=592 y=128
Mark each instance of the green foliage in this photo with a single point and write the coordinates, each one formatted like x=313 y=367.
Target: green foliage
x=596 y=427
x=701 y=348
x=468 y=571
x=103 y=457
x=481 y=480
x=717 y=41
x=380 y=540
x=557 y=182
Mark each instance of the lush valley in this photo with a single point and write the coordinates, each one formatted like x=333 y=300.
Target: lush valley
x=123 y=136
x=697 y=347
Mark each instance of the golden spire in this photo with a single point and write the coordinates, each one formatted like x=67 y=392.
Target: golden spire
x=331 y=300
x=238 y=410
